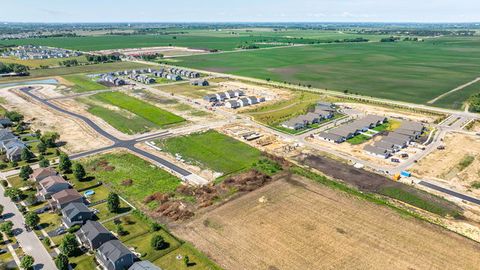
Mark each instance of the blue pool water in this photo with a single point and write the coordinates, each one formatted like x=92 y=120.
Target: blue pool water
x=89 y=193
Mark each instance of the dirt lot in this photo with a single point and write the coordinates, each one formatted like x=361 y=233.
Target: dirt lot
x=391 y=113
x=295 y=224
x=78 y=136
x=457 y=146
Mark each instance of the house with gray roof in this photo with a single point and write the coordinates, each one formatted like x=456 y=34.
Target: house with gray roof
x=51 y=185
x=390 y=146
x=232 y=104
x=75 y=213
x=294 y=124
x=330 y=137
x=377 y=151
x=5 y=122
x=113 y=255
x=13 y=149
x=93 y=234
x=398 y=143
x=144 y=265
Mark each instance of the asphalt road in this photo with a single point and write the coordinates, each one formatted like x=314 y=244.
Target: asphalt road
x=29 y=241
x=117 y=143
x=450 y=192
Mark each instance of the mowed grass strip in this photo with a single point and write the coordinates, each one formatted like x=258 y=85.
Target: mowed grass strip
x=83 y=84
x=213 y=150
x=120 y=122
x=141 y=108
x=114 y=168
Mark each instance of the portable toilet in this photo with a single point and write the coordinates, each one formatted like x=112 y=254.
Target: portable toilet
x=405 y=174
x=396 y=177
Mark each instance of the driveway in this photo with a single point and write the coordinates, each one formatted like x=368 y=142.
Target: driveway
x=29 y=241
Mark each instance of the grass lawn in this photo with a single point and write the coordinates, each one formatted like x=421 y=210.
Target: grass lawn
x=213 y=150
x=104 y=214
x=18 y=182
x=199 y=261
x=121 y=122
x=140 y=108
x=139 y=237
x=50 y=221
x=359 y=139
x=112 y=169
x=408 y=71
x=83 y=83
x=83 y=262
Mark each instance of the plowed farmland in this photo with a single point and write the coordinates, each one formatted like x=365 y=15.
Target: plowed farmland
x=296 y=224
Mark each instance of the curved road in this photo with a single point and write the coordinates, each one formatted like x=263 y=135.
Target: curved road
x=117 y=143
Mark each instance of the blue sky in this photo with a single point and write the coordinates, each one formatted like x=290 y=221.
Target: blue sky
x=240 y=11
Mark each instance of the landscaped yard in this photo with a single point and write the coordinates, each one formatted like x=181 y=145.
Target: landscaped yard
x=130 y=175
x=213 y=150
x=138 y=236
x=197 y=259
x=103 y=214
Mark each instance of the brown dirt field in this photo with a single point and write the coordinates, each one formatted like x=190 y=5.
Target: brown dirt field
x=297 y=224
x=365 y=180
x=456 y=147
x=391 y=112
x=78 y=136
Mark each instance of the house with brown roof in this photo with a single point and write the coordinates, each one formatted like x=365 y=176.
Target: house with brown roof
x=61 y=199
x=51 y=185
x=42 y=173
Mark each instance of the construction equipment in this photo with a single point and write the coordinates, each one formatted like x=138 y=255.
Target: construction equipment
x=396 y=177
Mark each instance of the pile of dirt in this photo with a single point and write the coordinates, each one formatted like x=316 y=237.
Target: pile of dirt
x=103 y=165
x=182 y=204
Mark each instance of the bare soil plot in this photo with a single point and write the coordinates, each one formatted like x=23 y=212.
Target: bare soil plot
x=78 y=136
x=444 y=165
x=296 y=224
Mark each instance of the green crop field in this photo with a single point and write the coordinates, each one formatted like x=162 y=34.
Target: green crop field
x=83 y=84
x=140 y=108
x=408 y=71
x=456 y=100
x=203 y=39
x=213 y=150
x=146 y=178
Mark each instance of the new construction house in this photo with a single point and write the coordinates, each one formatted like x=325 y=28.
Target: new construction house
x=351 y=129
x=321 y=112
x=400 y=138
x=230 y=94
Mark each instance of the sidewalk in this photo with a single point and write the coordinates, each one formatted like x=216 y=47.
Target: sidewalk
x=29 y=241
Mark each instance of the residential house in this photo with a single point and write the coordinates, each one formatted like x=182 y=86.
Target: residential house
x=93 y=235
x=233 y=104
x=113 y=255
x=61 y=199
x=294 y=124
x=144 y=265
x=13 y=149
x=376 y=151
x=41 y=173
x=51 y=185
x=5 y=122
x=75 y=213
x=330 y=137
